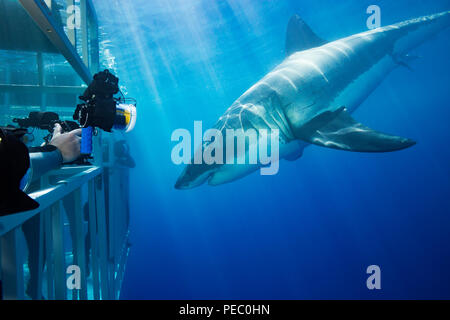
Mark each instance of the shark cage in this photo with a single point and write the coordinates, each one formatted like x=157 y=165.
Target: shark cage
x=75 y=244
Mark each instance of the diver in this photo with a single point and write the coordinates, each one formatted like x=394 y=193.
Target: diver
x=21 y=166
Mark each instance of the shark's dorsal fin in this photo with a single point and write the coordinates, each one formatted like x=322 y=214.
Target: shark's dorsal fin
x=338 y=130
x=299 y=36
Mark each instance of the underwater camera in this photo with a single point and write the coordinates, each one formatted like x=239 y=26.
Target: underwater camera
x=45 y=121
x=102 y=110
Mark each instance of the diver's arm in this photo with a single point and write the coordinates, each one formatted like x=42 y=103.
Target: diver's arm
x=43 y=160
x=68 y=143
x=63 y=148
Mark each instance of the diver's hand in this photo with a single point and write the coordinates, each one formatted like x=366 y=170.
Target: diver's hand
x=67 y=143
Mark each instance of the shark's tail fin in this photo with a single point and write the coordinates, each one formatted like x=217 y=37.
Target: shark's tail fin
x=414 y=32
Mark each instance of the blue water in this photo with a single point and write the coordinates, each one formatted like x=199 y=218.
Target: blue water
x=310 y=231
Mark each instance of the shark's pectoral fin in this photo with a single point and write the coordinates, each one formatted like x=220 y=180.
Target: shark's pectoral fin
x=299 y=36
x=338 y=130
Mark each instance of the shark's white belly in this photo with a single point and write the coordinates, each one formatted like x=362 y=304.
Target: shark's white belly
x=231 y=172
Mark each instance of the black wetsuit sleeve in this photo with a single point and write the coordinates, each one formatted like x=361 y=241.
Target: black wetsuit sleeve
x=44 y=159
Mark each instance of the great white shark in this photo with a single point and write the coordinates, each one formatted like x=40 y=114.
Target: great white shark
x=310 y=96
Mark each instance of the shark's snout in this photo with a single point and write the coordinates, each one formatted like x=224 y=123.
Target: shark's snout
x=182 y=183
x=179 y=185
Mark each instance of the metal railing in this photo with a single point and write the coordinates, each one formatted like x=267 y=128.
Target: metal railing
x=108 y=247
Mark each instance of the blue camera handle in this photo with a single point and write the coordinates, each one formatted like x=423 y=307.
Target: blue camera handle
x=86 y=140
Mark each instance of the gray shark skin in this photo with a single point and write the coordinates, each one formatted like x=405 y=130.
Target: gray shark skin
x=309 y=97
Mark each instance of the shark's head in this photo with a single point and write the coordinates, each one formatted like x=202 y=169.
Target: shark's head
x=194 y=175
